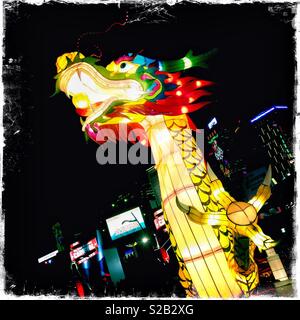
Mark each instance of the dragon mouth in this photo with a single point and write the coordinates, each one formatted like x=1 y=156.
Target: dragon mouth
x=99 y=91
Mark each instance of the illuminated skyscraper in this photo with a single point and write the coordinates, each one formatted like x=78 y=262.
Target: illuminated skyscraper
x=274 y=140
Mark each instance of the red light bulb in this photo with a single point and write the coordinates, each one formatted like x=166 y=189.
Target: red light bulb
x=184 y=109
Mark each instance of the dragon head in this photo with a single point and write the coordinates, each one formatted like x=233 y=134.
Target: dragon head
x=129 y=88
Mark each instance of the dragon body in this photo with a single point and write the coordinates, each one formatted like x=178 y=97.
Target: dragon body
x=152 y=99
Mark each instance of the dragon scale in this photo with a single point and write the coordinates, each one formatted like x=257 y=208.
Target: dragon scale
x=195 y=164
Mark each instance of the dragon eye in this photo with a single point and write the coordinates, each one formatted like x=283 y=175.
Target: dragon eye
x=125 y=66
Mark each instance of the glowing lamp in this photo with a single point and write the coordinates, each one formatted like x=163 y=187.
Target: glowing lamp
x=179 y=93
x=184 y=109
x=80 y=289
x=145 y=240
x=198 y=83
x=187 y=63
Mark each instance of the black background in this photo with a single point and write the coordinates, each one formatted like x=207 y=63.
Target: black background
x=50 y=172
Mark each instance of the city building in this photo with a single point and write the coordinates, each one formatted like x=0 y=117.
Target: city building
x=225 y=151
x=275 y=140
x=154 y=182
x=252 y=181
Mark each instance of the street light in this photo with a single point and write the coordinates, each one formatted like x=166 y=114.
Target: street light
x=145 y=240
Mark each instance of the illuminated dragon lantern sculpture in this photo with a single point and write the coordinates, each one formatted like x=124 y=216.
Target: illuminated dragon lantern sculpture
x=204 y=222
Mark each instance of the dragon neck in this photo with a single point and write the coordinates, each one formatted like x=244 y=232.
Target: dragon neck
x=182 y=174
x=176 y=156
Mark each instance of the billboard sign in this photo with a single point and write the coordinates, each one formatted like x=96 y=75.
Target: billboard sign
x=125 y=223
x=87 y=257
x=48 y=256
x=84 y=251
x=159 y=222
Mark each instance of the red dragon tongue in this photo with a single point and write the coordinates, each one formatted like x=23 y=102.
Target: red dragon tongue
x=85 y=112
x=98 y=112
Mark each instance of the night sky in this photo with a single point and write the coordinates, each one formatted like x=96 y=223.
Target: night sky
x=50 y=172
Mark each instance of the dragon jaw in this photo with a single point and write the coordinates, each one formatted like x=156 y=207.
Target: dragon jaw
x=94 y=93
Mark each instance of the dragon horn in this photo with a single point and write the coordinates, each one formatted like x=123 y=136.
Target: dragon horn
x=187 y=62
x=268 y=177
x=263 y=192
